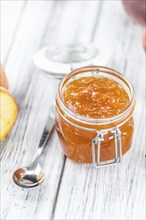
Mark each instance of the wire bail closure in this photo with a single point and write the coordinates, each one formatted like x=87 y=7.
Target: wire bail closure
x=96 y=147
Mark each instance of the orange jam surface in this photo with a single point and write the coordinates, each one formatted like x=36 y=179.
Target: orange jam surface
x=92 y=97
x=95 y=97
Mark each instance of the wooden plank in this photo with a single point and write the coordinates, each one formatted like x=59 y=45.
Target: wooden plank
x=10 y=24
x=41 y=23
x=34 y=103
x=114 y=192
x=84 y=192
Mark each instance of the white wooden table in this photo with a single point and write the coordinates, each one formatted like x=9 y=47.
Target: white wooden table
x=70 y=190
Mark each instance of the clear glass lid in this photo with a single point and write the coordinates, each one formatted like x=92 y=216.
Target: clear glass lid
x=59 y=60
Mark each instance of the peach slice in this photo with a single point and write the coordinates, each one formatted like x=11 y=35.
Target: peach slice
x=3 y=78
x=144 y=39
x=8 y=112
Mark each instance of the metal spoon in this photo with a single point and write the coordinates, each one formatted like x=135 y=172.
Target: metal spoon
x=32 y=175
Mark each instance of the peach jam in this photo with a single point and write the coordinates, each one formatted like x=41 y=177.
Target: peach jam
x=92 y=103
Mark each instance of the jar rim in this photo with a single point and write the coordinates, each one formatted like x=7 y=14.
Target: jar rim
x=99 y=121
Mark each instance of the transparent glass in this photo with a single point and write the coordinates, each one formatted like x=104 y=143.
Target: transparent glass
x=72 y=53
x=77 y=132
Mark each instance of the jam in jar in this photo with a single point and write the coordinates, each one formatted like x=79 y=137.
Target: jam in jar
x=94 y=108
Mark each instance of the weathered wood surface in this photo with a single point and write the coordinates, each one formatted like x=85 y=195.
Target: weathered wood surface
x=70 y=190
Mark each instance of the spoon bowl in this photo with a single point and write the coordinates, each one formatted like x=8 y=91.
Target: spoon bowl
x=29 y=177
x=32 y=175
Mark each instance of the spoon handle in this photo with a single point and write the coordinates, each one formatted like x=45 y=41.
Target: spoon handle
x=46 y=133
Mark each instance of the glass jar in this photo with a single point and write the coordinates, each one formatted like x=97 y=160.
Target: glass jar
x=101 y=141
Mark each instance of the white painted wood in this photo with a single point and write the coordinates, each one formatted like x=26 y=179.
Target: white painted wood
x=70 y=190
x=11 y=13
x=117 y=192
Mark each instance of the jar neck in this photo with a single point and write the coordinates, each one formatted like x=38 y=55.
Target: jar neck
x=97 y=71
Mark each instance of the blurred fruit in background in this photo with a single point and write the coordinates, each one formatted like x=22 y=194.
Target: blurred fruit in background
x=136 y=9
x=3 y=78
x=144 y=39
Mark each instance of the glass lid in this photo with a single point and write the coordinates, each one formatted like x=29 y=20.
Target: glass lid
x=59 y=60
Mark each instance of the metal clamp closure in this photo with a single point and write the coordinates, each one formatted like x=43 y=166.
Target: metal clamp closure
x=96 y=147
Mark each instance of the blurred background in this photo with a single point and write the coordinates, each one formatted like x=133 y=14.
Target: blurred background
x=115 y=26
x=26 y=27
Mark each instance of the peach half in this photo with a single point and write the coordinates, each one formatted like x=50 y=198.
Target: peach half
x=8 y=112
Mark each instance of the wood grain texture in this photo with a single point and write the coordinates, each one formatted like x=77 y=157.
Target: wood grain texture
x=9 y=25
x=70 y=190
